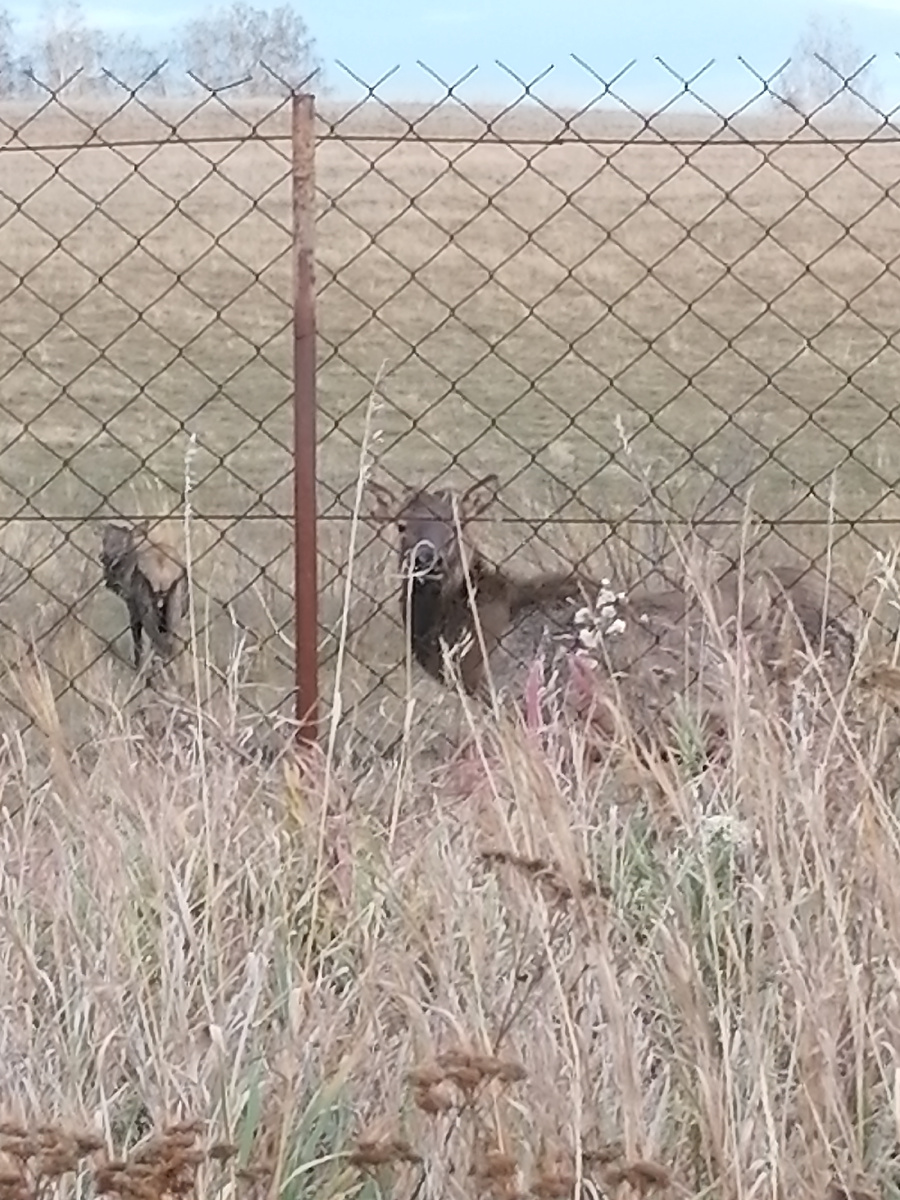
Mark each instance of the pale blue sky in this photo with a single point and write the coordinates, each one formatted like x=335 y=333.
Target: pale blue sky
x=529 y=35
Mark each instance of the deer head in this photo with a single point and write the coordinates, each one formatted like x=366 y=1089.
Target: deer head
x=431 y=526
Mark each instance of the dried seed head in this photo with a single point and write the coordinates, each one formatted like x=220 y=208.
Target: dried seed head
x=604 y=1154
x=426 y=1076
x=553 y=1170
x=194 y=1127
x=511 y=1072
x=553 y=1186
x=493 y=1165
x=487 y=1064
x=139 y=1189
x=454 y=1058
x=643 y=1176
x=143 y=1170
x=222 y=1151
x=435 y=1099
x=88 y=1143
x=111 y=1177
x=466 y=1079
x=463 y=1067
x=373 y=1152
x=17 y=1191
x=19 y=1147
x=404 y=1152
x=56 y=1163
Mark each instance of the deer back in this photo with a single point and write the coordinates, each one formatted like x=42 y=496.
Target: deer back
x=159 y=563
x=649 y=654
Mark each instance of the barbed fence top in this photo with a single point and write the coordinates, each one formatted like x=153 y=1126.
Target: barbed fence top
x=170 y=103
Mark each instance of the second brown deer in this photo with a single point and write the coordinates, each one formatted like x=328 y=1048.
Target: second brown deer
x=149 y=575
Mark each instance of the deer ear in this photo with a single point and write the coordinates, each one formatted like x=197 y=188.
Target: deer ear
x=383 y=504
x=479 y=496
x=142 y=526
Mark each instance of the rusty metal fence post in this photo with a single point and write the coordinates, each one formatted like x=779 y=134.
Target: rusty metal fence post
x=306 y=589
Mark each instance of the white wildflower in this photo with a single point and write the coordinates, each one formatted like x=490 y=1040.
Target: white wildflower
x=590 y=638
x=728 y=829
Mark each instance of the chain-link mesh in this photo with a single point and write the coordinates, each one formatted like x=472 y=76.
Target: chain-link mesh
x=639 y=322
x=145 y=304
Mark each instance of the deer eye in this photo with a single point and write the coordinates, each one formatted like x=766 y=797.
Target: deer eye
x=401 y=527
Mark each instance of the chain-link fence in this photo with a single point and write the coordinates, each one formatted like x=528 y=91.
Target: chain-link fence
x=145 y=358
x=639 y=322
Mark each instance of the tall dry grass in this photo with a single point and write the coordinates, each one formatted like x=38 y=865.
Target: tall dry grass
x=525 y=973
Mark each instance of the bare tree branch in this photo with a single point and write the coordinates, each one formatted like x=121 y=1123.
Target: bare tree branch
x=827 y=70
x=249 y=47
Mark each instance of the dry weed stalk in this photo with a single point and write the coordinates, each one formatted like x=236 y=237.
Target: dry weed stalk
x=642 y=1176
x=555 y=1174
x=33 y=1162
x=382 y=1155
x=549 y=876
x=463 y=1085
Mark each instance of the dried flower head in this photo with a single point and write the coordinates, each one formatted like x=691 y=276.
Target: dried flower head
x=644 y=1176
x=19 y=1146
x=603 y=1155
x=379 y=1152
x=601 y=620
x=554 y=1173
x=492 y=1166
x=435 y=1099
x=548 y=875
x=426 y=1076
x=222 y=1151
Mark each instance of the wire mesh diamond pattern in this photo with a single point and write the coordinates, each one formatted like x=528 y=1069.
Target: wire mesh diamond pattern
x=634 y=319
x=146 y=291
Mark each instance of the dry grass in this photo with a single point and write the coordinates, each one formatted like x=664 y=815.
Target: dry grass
x=499 y=976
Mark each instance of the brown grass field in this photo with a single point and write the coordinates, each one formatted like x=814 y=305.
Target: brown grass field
x=674 y=979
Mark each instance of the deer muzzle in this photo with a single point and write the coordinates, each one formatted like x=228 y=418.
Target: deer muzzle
x=422 y=559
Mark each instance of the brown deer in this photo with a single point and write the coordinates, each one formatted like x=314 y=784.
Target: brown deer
x=451 y=599
x=150 y=577
x=642 y=651
x=643 y=654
